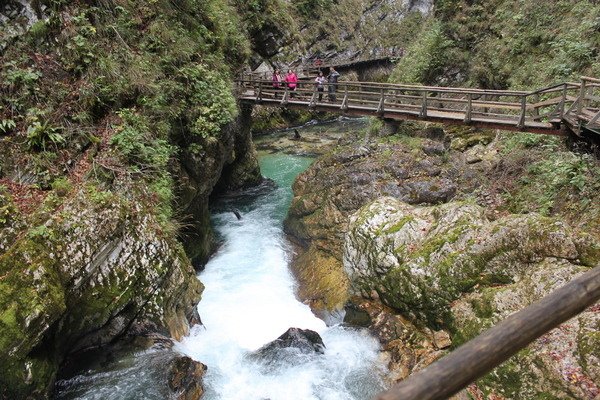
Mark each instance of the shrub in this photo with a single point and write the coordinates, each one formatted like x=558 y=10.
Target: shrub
x=425 y=59
x=7 y=125
x=62 y=186
x=40 y=135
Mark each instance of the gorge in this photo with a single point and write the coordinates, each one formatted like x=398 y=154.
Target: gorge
x=124 y=154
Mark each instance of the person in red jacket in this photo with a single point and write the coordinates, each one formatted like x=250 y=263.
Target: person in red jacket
x=292 y=81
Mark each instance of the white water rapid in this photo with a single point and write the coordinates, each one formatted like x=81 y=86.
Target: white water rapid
x=250 y=300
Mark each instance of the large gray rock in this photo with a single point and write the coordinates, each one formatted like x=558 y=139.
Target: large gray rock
x=450 y=266
x=420 y=259
x=93 y=271
x=304 y=340
x=17 y=17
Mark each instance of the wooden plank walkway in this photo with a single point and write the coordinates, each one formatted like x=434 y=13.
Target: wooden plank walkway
x=574 y=106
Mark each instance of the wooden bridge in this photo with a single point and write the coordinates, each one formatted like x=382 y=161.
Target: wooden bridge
x=572 y=106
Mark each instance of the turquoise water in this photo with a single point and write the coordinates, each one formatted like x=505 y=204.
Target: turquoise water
x=283 y=169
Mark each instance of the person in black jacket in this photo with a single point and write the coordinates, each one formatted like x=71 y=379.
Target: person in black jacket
x=332 y=79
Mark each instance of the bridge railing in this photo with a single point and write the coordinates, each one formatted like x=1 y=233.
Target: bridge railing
x=588 y=104
x=501 y=106
x=579 y=103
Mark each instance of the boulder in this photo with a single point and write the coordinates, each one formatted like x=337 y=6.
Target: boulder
x=420 y=259
x=304 y=340
x=415 y=169
x=185 y=378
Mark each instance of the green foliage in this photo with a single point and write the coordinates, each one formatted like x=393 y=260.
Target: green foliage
x=62 y=186
x=135 y=140
x=147 y=153
x=41 y=233
x=425 y=59
x=214 y=103
x=375 y=126
x=98 y=197
x=312 y=9
x=7 y=208
x=552 y=180
x=520 y=44
x=41 y=134
x=25 y=77
x=261 y=14
x=80 y=48
x=7 y=125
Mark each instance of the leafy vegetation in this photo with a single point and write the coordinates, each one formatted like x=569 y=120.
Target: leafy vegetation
x=312 y=9
x=539 y=175
x=7 y=208
x=509 y=44
x=425 y=58
x=151 y=77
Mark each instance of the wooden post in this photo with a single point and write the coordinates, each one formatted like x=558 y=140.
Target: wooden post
x=469 y=108
x=475 y=358
x=286 y=95
x=536 y=111
x=423 y=113
x=582 y=93
x=595 y=119
x=259 y=94
x=521 y=123
x=563 y=101
x=344 y=106
x=313 y=100
x=381 y=108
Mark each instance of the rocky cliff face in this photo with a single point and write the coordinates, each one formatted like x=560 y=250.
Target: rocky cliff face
x=116 y=125
x=450 y=266
x=414 y=169
x=430 y=236
x=220 y=165
x=94 y=269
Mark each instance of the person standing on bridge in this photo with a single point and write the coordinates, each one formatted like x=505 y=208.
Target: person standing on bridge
x=292 y=81
x=277 y=81
x=320 y=83
x=332 y=79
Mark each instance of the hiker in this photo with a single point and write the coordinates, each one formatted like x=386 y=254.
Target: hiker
x=292 y=81
x=277 y=80
x=332 y=79
x=320 y=82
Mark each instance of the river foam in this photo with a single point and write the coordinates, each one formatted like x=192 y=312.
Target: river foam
x=250 y=300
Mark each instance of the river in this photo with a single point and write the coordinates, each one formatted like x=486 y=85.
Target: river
x=249 y=301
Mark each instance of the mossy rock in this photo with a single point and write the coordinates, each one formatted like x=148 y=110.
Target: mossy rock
x=322 y=280
x=420 y=259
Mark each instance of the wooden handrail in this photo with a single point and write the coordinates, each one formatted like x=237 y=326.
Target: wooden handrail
x=418 y=88
x=537 y=111
x=590 y=79
x=475 y=358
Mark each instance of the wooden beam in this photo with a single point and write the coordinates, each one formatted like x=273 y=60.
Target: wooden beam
x=474 y=359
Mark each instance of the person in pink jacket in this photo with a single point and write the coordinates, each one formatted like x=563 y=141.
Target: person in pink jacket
x=292 y=81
